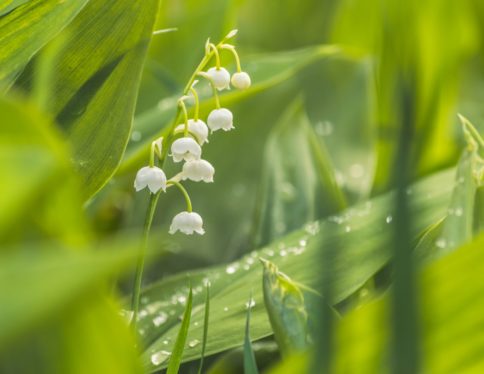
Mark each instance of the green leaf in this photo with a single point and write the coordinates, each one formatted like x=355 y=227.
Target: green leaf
x=285 y=306
x=49 y=277
x=27 y=27
x=451 y=313
x=297 y=184
x=34 y=161
x=250 y=365
x=97 y=79
x=357 y=241
x=179 y=347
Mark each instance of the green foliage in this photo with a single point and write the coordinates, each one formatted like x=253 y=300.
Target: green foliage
x=250 y=365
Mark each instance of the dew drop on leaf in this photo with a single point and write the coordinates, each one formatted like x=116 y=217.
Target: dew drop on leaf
x=159 y=357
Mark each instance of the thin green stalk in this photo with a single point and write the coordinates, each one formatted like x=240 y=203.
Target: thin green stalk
x=141 y=257
x=183 y=191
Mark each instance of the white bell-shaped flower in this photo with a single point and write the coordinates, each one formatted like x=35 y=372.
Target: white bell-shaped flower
x=185 y=149
x=198 y=170
x=152 y=177
x=241 y=80
x=198 y=128
x=187 y=223
x=220 y=78
x=220 y=119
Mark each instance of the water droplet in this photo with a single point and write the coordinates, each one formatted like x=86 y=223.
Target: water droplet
x=232 y=268
x=166 y=341
x=441 y=243
x=250 y=304
x=324 y=128
x=347 y=228
x=158 y=358
x=270 y=253
x=246 y=267
x=312 y=228
x=458 y=212
x=389 y=219
x=195 y=323
x=181 y=299
x=160 y=319
x=356 y=171
x=249 y=260
x=193 y=343
x=303 y=242
x=127 y=314
x=283 y=253
x=226 y=309
x=143 y=313
x=135 y=136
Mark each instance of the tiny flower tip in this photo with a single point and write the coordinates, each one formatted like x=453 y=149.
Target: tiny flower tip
x=220 y=119
x=220 y=77
x=152 y=177
x=187 y=223
x=231 y=34
x=241 y=80
x=198 y=170
x=185 y=149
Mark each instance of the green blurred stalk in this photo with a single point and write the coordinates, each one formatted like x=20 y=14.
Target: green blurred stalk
x=135 y=297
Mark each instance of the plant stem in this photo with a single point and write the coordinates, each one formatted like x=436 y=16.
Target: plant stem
x=183 y=191
x=135 y=299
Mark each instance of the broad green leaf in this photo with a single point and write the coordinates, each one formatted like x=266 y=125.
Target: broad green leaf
x=451 y=320
x=462 y=220
x=266 y=71
x=40 y=182
x=27 y=27
x=250 y=364
x=284 y=303
x=96 y=83
x=48 y=278
x=297 y=184
x=179 y=347
x=357 y=241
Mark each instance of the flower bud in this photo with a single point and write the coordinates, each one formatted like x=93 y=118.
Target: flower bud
x=152 y=177
x=220 y=119
x=187 y=223
x=241 y=80
x=220 y=78
x=198 y=128
x=185 y=149
x=198 y=170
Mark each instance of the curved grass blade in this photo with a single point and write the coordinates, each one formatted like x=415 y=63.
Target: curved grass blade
x=205 y=326
x=179 y=347
x=284 y=303
x=250 y=365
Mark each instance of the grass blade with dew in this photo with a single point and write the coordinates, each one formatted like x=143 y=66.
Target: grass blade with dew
x=205 y=326
x=176 y=356
x=285 y=306
x=250 y=365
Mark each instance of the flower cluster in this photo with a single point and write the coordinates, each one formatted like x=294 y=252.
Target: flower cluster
x=186 y=139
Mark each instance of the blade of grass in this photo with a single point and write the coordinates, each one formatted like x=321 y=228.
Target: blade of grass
x=205 y=326
x=179 y=347
x=250 y=365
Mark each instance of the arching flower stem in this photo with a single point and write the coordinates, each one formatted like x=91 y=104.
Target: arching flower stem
x=197 y=103
x=231 y=48
x=183 y=191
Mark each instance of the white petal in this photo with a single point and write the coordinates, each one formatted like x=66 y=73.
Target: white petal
x=220 y=77
x=198 y=170
x=198 y=128
x=185 y=149
x=187 y=223
x=152 y=177
x=220 y=119
x=241 y=80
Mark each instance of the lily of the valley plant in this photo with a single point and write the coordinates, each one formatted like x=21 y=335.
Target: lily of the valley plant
x=185 y=140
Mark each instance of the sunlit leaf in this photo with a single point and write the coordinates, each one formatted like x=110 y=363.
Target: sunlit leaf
x=357 y=240
x=27 y=27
